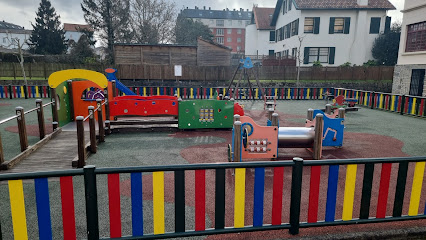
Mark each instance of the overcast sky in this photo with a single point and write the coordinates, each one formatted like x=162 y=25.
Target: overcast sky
x=23 y=12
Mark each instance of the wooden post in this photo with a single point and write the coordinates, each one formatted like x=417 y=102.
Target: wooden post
x=40 y=116
x=100 y=121
x=70 y=98
x=92 y=129
x=237 y=141
x=22 y=128
x=341 y=113
x=328 y=109
x=373 y=98
x=108 y=127
x=270 y=112
x=55 y=115
x=236 y=117
x=80 y=142
x=1 y=151
x=310 y=115
x=114 y=91
x=275 y=120
x=319 y=128
x=107 y=115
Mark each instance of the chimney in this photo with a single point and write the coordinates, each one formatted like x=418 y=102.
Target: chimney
x=234 y=9
x=204 y=7
x=227 y=9
x=362 y=2
x=196 y=7
x=241 y=10
x=210 y=8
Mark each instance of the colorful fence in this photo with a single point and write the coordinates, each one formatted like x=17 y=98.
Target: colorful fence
x=249 y=193
x=20 y=91
x=239 y=94
x=403 y=104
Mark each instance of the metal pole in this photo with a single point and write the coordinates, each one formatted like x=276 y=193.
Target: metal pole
x=92 y=130
x=100 y=122
x=114 y=91
x=310 y=115
x=22 y=128
x=40 y=116
x=91 y=196
x=237 y=141
x=319 y=128
x=296 y=193
x=80 y=142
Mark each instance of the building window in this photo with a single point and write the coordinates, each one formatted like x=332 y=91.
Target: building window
x=295 y=28
x=219 y=40
x=339 y=25
x=416 y=37
x=272 y=36
x=219 y=32
x=238 y=48
x=229 y=30
x=220 y=23
x=239 y=31
x=284 y=6
x=229 y=22
x=321 y=54
x=312 y=25
x=229 y=39
x=293 y=52
x=375 y=25
x=290 y=2
x=271 y=52
x=240 y=23
x=285 y=53
x=238 y=39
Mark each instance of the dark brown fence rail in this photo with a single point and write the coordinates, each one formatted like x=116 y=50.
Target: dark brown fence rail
x=198 y=73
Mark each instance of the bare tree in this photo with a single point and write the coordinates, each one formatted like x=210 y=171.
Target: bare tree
x=299 y=59
x=16 y=43
x=153 y=21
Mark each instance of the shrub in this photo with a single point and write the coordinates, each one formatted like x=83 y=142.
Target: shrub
x=317 y=64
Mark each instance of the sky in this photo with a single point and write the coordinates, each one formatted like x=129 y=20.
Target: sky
x=23 y=12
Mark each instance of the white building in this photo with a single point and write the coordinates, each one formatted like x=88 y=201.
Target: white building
x=334 y=31
x=9 y=31
x=409 y=74
x=73 y=31
x=260 y=35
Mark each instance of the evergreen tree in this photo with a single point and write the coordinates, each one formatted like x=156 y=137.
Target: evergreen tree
x=82 y=51
x=111 y=19
x=187 y=31
x=47 y=36
x=386 y=46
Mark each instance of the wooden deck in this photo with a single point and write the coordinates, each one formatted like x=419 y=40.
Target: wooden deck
x=57 y=154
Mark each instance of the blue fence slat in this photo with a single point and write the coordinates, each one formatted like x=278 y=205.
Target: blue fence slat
x=137 y=210
x=259 y=186
x=43 y=208
x=330 y=209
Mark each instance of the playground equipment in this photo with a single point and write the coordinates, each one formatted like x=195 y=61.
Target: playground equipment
x=74 y=98
x=252 y=141
x=347 y=103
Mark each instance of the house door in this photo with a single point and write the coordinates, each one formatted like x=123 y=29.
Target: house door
x=417 y=82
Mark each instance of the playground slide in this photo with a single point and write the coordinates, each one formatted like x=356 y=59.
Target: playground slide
x=111 y=76
x=123 y=88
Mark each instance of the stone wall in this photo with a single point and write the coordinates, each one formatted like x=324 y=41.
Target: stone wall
x=402 y=79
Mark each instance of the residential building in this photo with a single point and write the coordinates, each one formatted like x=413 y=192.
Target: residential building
x=73 y=32
x=8 y=31
x=409 y=74
x=260 y=35
x=331 y=32
x=227 y=26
